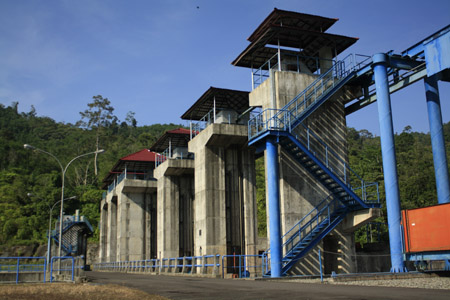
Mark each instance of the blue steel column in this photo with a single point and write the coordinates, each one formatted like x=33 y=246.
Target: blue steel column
x=437 y=139
x=273 y=187
x=380 y=63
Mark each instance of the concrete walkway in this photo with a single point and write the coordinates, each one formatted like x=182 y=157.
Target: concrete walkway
x=177 y=287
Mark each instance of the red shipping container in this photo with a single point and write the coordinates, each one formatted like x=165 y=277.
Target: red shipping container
x=427 y=229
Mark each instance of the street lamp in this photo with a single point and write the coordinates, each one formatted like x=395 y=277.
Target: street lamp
x=63 y=173
x=49 y=247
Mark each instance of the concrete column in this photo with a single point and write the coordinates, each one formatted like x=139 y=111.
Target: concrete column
x=112 y=230
x=103 y=231
x=380 y=63
x=437 y=139
x=136 y=227
x=168 y=217
x=210 y=210
x=325 y=56
x=250 y=207
x=273 y=188
x=123 y=227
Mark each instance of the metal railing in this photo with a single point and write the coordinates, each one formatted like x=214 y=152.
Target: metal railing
x=128 y=175
x=263 y=72
x=34 y=269
x=243 y=266
x=367 y=191
x=186 y=264
x=306 y=226
x=278 y=119
x=13 y=265
x=168 y=153
x=290 y=62
x=70 y=268
x=211 y=117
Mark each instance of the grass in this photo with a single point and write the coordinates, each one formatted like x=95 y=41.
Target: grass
x=69 y=291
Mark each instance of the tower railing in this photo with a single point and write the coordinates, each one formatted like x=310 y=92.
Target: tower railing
x=270 y=118
x=290 y=62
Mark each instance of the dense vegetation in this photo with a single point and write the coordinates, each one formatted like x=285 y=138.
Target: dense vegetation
x=24 y=219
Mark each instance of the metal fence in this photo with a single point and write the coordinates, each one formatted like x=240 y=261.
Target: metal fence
x=26 y=269
x=35 y=269
x=207 y=264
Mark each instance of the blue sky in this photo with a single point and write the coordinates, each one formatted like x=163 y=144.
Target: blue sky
x=156 y=58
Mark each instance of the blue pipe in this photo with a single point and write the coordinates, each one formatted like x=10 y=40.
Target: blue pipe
x=273 y=187
x=380 y=63
x=437 y=139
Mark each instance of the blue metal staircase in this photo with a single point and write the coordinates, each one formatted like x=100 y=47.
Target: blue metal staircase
x=70 y=234
x=348 y=192
x=311 y=98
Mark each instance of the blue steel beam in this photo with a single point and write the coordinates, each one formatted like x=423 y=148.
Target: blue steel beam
x=437 y=139
x=273 y=187
x=380 y=63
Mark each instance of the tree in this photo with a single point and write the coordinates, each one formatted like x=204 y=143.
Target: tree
x=97 y=116
x=131 y=121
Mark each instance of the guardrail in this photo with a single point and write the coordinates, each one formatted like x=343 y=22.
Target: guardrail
x=186 y=265
x=10 y=265
x=289 y=62
x=34 y=269
x=70 y=267
x=168 y=153
x=284 y=118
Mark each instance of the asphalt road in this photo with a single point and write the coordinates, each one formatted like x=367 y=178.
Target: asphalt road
x=177 y=287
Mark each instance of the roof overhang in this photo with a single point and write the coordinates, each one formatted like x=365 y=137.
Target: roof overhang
x=223 y=99
x=175 y=138
x=307 y=42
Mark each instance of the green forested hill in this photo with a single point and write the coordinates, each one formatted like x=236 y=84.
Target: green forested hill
x=24 y=220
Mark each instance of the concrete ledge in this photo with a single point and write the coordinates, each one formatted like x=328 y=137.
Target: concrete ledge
x=220 y=135
x=175 y=167
x=137 y=186
x=359 y=218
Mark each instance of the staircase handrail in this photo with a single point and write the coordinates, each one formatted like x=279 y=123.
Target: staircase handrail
x=346 y=178
x=341 y=69
x=319 y=209
x=316 y=208
x=324 y=212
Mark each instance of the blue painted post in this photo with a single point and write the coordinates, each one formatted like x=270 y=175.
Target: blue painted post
x=437 y=143
x=380 y=63
x=273 y=187
x=437 y=139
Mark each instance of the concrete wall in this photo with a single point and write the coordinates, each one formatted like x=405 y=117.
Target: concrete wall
x=127 y=222
x=225 y=193
x=175 y=208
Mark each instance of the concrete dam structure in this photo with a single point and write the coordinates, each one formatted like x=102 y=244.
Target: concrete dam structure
x=193 y=193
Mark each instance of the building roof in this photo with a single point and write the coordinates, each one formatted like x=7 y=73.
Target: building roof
x=292 y=19
x=140 y=156
x=176 y=137
x=143 y=160
x=294 y=30
x=224 y=99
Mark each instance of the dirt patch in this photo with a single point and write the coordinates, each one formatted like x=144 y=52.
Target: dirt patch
x=68 y=291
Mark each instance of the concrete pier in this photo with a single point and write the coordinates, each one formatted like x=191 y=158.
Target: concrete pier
x=129 y=209
x=175 y=177
x=225 y=220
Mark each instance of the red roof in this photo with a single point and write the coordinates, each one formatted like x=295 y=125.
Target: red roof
x=143 y=155
x=180 y=131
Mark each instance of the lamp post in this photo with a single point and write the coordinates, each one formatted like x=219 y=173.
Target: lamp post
x=63 y=173
x=49 y=248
